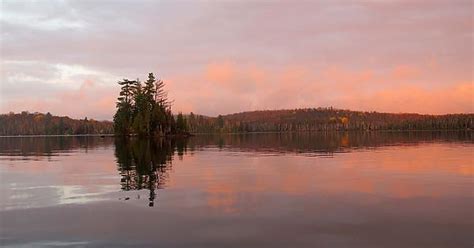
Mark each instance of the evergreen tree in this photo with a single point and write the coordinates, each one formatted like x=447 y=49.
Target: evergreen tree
x=123 y=116
x=144 y=108
x=150 y=116
x=161 y=96
x=140 y=118
x=181 y=126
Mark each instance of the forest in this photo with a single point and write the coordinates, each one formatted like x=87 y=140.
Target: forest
x=324 y=119
x=26 y=123
x=143 y=109
x=316 y=119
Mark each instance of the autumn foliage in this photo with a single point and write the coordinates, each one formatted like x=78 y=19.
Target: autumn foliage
x=26 y=123
x=325 y=119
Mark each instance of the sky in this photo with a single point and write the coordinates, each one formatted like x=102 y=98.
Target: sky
x=220 y=57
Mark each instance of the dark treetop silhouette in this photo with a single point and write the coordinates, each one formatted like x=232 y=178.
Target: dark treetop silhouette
x=324 y=119
x=144 y=109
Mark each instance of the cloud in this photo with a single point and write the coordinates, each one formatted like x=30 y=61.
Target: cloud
x=236 y=56
x=61 y=89
x=455 y=98
x=89 y=100
x=227 y=87
x=300 y=86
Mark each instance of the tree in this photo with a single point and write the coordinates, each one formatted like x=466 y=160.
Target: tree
x=161 y=96
x=181 y=125
x=149 y=92
x=141 y=118
x=143 y=108
x=220 y=122
x=123 y=116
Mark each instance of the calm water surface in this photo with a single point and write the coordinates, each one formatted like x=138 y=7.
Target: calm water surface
x=260 y=190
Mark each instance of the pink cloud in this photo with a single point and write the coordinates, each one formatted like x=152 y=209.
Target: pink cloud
x=455 y=98
x=221 y=88
x=404 y=72
x=364 y=55
x=394 y=90
x=89 y=100
x=220 y=72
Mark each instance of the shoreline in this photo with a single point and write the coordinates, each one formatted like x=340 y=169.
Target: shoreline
x=232 y=133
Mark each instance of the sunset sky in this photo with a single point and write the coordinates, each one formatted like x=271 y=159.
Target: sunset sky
x=220 y=57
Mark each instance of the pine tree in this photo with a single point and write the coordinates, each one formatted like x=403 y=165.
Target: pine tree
x=149 y=92
x=161 y=96
x=181 y=126
x=140 y=118
x=123 y=116
x=144 y=108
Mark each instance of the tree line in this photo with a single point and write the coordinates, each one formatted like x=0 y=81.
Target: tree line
x=324 y=119
x=26 y=123
x=156 y=118
x=144 y=109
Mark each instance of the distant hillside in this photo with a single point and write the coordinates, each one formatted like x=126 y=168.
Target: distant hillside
x=321 y=119
x=315 y=119
x=26 y=123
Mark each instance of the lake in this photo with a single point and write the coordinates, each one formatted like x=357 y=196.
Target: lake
x=336 y=189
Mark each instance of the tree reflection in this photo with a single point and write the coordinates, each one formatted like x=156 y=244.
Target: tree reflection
x=145 y=163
